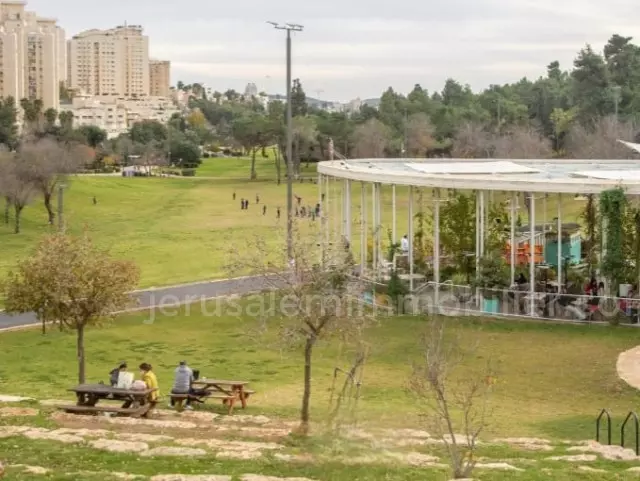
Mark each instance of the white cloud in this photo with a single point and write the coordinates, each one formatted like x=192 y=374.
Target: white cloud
x=359 y=47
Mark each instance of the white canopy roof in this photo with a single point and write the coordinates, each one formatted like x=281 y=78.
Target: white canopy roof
x=495 y=167
x=619 y=175
x=543 y=175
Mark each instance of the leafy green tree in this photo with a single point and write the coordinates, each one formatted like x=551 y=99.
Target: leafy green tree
x=32 y=109
x=147 y=131
x=298 y=99
x=93 y=136
x=8 y=122
x=252 y=131
x=68 y=281
x=50 y=117
x=591 y=84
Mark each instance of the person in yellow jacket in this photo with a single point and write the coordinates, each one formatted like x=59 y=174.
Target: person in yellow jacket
x=150 y=379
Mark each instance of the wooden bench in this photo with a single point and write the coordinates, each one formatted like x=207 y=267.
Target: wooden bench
x=228 y=400
x=248 y=392
x=133 y=412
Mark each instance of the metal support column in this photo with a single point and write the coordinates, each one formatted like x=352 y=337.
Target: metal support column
x=394 y=239
x=559 y=243
x=532 y=259
x=411 y=239
x=513 y=248
x=363 y=228
x=482 y=224
x=347 y=211
x=436 y=249
x=374 y=231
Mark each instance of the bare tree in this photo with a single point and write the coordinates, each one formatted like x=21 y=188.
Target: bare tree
x=472 y=141
x=316 y=298
x=453 y=390
x=49 y=162
x=16 y=184
x=305 y=132
x=599 y=140
x=522 y=143
x=150 y=158
x=420 y=132
x=371 y=139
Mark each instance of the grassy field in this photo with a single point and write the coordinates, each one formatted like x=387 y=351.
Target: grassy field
x=552 y=379
x=180 y=229
x=551 y=382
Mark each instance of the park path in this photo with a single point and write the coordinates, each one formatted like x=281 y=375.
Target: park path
x=628 y=367
x=171 y=295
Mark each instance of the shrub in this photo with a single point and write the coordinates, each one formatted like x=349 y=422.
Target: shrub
x=206 y=155
x=188 y=172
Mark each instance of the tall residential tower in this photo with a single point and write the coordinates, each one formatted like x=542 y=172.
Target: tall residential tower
x=31 y=55
x=110 y=62
x=159 y=77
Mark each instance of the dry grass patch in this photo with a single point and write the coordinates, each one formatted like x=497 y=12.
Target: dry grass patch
x=116 y=446
x=174 y=451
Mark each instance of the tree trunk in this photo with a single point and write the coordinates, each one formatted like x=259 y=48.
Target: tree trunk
x=253 y=165
x=7 y=208
x=80 y=350
x=47 y=205
x=296 y=156
x=278 y=166
x=18 y=212
x=306 y=395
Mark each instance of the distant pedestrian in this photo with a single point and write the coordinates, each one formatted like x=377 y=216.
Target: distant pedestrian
x=278 y=213
x=234 y=195
x=317 y=210
x=241 y=204
x=246 y=204
x=264 y=209
x=95 y=201
x=322 y=197
x=257 y=199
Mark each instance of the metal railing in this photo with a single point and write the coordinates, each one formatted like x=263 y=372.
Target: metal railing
x=604 y=413
x=636 y=422
x=453 y=299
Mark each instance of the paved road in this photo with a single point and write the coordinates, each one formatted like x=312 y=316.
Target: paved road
x=171 y=295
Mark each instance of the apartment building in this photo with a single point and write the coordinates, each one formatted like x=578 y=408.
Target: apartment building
x=110 y=62
x=159 y=78
x=116 y=114
x=30 y=55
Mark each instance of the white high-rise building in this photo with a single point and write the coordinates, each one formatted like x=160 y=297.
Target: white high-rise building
x=31 y=55
x=110 y=62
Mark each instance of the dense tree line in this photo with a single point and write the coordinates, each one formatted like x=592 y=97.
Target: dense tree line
x=554 y=115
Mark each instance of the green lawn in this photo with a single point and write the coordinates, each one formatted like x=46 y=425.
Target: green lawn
x=180 y=229
x=551 y=379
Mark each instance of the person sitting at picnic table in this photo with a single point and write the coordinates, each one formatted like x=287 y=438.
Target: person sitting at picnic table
x=151 y=381
x=183 y=384
x=115 y=373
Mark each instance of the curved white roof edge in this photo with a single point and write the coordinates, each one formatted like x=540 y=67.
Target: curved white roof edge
x=374 y=171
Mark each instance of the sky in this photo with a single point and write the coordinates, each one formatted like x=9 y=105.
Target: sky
x=357 y=48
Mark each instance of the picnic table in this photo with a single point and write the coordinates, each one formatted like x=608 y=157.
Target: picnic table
x=229 y=391
x=136 y=401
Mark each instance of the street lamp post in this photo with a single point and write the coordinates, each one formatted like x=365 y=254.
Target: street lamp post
x=289 y=27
